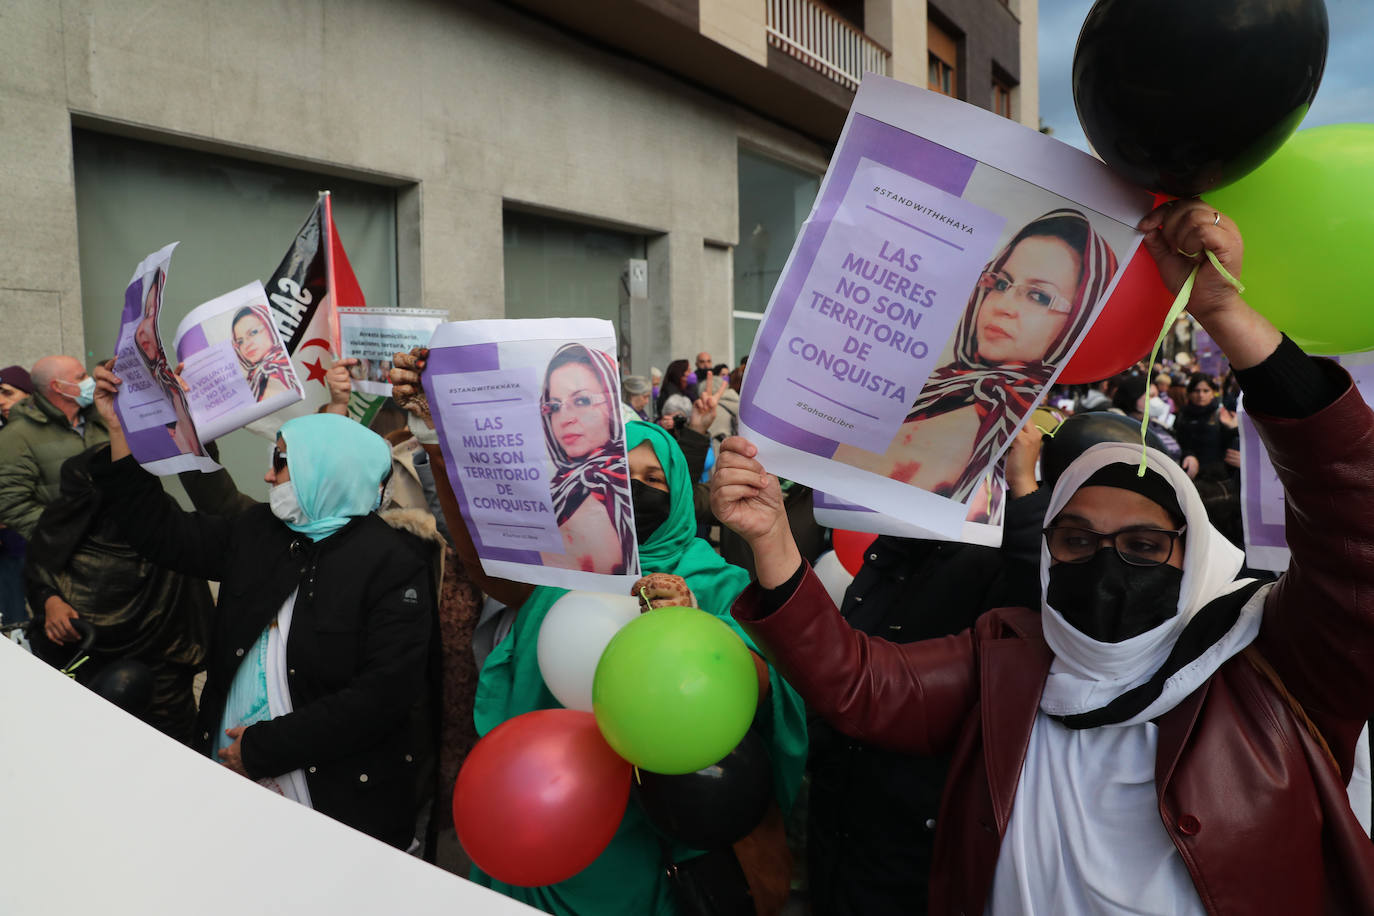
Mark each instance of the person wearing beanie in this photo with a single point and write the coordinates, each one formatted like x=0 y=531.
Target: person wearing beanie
x=1161 y=737
x=15 y=385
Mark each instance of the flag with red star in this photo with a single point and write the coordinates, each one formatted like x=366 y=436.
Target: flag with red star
x=312 y=282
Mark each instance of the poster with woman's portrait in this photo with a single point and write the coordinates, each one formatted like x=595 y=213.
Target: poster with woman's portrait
x=153 y=407
x=236 y=364
x=528 y=416
x=233 y=369
x=950 y=266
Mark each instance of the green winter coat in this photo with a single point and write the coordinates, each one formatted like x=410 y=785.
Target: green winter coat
x=34 y=443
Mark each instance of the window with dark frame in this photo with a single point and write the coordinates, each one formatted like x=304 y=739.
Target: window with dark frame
x=1001 y=97
x=944 y=61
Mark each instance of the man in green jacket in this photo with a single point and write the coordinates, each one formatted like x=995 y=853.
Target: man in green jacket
x=41 y=433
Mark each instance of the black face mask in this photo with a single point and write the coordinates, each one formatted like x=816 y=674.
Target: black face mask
x=651 y=507
x=1109 y=600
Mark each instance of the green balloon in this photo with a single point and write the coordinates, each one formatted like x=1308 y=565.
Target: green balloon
x=1307 y=215
x=675 y=691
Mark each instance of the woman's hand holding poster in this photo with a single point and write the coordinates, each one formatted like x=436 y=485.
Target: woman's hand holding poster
x=528 y=414
x=235 y=371
x=950 y=266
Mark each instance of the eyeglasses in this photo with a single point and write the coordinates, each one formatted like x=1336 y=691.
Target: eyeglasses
x=278 y=460
x=578 y=402
x=1045 y=297
x=1136 y=546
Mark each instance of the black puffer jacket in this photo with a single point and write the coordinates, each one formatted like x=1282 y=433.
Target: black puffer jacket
x=356 y=654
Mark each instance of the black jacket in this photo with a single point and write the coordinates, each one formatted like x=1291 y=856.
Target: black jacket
x=356 y=653
x=871 y=819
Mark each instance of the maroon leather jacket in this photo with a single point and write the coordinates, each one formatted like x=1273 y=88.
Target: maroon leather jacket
x=1251 y=778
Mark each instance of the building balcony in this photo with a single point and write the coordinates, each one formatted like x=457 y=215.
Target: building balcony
x=821 y=39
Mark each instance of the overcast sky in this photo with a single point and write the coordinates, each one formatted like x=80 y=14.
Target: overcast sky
x=1346 y=93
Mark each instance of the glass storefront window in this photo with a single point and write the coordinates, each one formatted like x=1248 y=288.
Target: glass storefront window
x=774 y=200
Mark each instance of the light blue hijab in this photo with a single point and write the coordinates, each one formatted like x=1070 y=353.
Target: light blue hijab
x=337 y=467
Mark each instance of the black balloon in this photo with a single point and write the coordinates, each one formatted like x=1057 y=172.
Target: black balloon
x=127 y=683
x=1185 y=96
x=714 y=807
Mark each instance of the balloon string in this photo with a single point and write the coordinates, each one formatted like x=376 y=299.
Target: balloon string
x=644 y=596
x=637 y=779
x=1226 y=274
x=1180 y=303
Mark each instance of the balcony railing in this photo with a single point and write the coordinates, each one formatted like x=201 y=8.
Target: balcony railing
x=823 y=41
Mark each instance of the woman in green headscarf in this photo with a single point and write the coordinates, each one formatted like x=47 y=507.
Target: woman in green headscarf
x=628 y=877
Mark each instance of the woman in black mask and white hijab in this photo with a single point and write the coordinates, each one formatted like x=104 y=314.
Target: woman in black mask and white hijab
x=1161 y=738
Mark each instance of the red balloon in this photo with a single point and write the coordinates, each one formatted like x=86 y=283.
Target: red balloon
x=540 y=797
x=850 y=547
x=1128 y=325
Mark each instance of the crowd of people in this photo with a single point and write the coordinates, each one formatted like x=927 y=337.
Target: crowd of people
x=1106 y=714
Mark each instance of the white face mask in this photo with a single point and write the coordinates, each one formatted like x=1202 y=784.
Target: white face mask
x=282 y=499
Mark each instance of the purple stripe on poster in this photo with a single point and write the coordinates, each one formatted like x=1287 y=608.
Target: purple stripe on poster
x=876 y=142
x=192 y=342
x=474 y=358
x=1261 y=530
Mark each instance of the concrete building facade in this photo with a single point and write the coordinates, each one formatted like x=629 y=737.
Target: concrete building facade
x=624 y=115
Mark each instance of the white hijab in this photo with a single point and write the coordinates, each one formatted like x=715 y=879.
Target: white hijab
x=1087 y=674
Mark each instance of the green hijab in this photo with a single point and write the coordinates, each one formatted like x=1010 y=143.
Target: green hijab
x=627 y=877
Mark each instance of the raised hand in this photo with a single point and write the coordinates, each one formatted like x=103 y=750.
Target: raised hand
x=1178 y=235
x=340 y=384
x=748 y=500
x=406 y=390
x=106 y=388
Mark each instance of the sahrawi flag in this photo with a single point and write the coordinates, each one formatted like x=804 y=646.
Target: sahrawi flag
x=312 y=282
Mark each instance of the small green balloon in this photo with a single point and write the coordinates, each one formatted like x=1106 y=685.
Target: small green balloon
x=675 y=691
x=1307 y=215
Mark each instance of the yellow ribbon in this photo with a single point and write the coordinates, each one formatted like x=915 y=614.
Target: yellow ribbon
x=1180 y=303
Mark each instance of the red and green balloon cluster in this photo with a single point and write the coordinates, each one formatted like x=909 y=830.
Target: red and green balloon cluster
x=671 y=692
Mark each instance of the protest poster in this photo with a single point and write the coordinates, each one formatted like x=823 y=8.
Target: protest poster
x=529 y=421
x=949 y=267
x=234 y=370
x=1262 y=502
x=374 y=336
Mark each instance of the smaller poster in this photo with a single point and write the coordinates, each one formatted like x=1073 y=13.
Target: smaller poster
x=529 y=421
x=1262 y=502
x=234 y=369
x=374 y=336
x=951 y=264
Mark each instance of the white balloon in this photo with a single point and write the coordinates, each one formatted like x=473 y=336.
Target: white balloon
x=833 y=576
x=573 y=636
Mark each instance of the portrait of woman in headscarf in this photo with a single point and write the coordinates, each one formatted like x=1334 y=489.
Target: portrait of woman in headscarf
x=261 y=356
x=586 y=441
x=182 y=431
x=1030 y=304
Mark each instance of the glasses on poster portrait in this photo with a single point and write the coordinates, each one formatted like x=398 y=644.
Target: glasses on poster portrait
x=1135 y=546
x=1041 y=295
x=578 y=403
